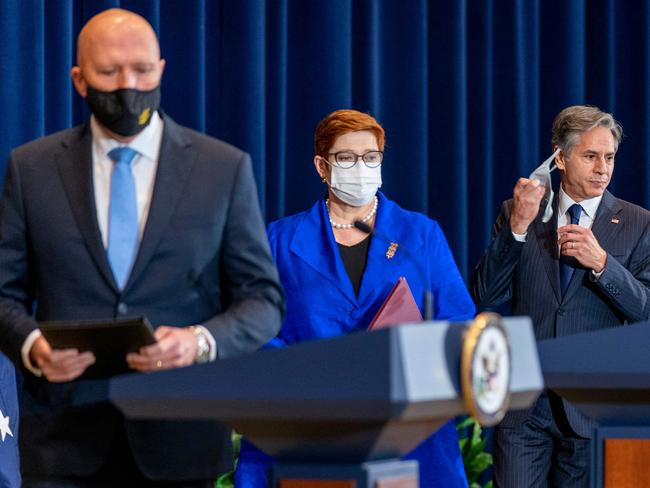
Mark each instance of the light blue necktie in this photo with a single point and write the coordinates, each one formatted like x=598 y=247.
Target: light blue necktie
x=567 y=264
x=122 y=215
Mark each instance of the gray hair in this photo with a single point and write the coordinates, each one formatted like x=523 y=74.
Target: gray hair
x=574 y=120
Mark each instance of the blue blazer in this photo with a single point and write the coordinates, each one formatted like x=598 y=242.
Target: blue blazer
x=320 y=297
x=9 y=465
x=321 y=303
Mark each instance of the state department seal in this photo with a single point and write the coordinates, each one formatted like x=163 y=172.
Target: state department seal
x=485 y=369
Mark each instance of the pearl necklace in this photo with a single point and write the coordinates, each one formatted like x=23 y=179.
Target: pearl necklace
x=349 y=226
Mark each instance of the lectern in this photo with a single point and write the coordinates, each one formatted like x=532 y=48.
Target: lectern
x=606 y=375
x=349 y=403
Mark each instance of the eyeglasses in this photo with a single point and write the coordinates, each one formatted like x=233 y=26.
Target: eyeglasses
x=347 y=159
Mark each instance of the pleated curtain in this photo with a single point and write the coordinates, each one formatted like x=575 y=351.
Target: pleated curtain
x=466 y=89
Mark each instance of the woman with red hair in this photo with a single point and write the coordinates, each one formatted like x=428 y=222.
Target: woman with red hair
x=336 y=276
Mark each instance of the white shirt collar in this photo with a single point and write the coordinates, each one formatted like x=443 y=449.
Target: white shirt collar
x=147 y=142
x=589 y=206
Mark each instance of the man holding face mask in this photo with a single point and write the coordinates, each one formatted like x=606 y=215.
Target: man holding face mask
x=129 y=215
x=579 y=267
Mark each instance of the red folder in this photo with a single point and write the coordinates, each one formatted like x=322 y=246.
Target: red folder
x=398 y=308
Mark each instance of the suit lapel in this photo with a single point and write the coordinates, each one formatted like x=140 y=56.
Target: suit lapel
x=314 y=243
x=74 y=163
x=604 y=231
x=608 y=221
x=384 y=268
x=546 y=234
x=174 y=166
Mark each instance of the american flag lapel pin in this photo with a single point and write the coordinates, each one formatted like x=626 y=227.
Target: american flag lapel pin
x=615 y=220
x=391 y=250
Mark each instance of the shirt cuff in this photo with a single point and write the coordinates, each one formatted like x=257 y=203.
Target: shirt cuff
x=596 y=276
x=213 y=344
x=27 y=347
x=519 y=237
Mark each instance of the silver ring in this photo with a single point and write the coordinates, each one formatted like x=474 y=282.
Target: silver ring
x=573 y=244
x=158 y=364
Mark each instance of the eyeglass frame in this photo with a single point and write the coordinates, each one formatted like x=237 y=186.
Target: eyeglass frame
x=359 y=156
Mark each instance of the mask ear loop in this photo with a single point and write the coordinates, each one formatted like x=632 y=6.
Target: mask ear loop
x=552 y=166
x=548 y=212
x=324 y=179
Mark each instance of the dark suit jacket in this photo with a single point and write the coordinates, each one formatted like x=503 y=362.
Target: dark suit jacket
x=203 y=259
x=528 y=273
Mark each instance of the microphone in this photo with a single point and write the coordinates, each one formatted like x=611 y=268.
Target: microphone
x=427 y=296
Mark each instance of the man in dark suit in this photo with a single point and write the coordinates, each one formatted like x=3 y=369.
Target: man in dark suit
x=586 y=268
x=128 y=215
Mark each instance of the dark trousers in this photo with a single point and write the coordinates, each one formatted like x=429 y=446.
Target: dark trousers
x=541 y=453
x=119 y=471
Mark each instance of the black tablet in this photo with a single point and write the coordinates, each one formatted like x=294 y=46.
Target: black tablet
x=109 y=339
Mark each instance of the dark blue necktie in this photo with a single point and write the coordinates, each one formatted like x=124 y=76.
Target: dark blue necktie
x=122 y=215
x=566 y=267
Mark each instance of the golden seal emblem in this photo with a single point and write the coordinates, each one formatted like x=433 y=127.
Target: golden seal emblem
x=485 y=369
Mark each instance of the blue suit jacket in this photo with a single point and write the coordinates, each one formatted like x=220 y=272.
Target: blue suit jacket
x=9 y=465
x=321 y=302
x=528 y=273
x=203 y=259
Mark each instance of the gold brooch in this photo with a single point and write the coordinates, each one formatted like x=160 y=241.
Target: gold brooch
x=391 y=250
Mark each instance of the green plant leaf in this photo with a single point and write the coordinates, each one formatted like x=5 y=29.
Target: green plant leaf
x=477 y=431
x=225 y=480
x=464 y=445
x=465 y=423
x=236 y=443
x=472 y=447
x=476 y=448
x=480 y=463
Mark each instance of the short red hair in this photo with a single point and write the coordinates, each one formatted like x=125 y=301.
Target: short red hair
x=341 y=122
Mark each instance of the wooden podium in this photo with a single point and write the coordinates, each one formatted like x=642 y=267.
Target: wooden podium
x=336 y=412
x=606 y=375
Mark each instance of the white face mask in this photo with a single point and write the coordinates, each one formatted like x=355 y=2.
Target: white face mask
x=543 y=174
x=357 y=185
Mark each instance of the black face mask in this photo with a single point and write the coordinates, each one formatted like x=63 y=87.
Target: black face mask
x=126 y=111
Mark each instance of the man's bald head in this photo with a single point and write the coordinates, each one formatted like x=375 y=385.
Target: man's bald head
x=117 y=49
x=114 y=22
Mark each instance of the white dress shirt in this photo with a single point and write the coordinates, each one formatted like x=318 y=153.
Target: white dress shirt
x=587 y=216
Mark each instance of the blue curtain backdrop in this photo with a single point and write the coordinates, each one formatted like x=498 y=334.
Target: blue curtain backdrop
x=467 y=90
